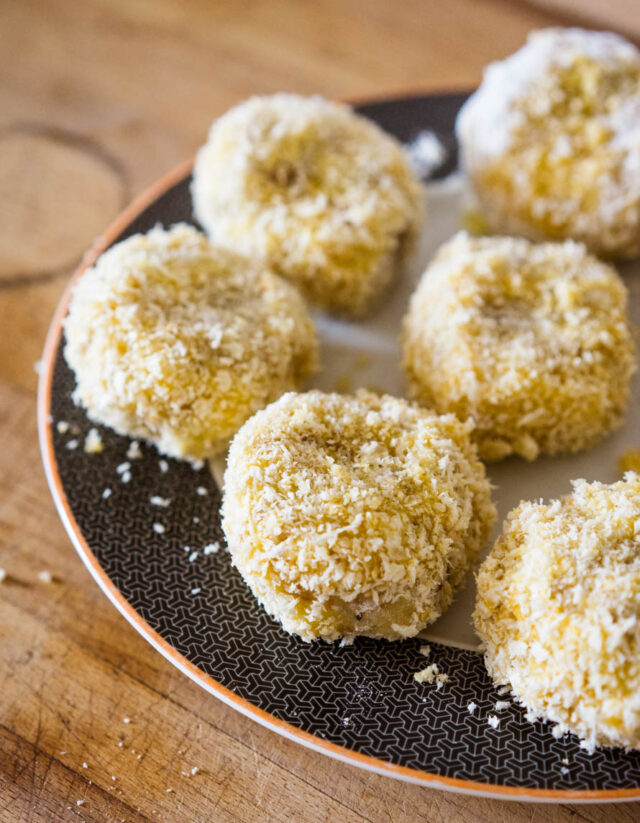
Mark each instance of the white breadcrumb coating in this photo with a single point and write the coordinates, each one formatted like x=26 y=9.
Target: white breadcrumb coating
x=551 y=141
x=177 y=341
x=354 y=515
x=323 y=195
x=531 y=341
x=558 y=611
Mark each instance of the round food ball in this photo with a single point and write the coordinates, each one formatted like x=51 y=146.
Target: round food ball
x=354 y=515
x=558 y=611
x=551 y=141
x=323 y=195
x=178 y=341
x=530 y=340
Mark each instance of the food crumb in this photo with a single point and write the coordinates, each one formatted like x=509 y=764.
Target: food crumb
x=471 y=707
x=425 y=650
x=426 y=154
x=427 y=675
x=3 y=575
x=80 y=802
x=71 y=444
x=441 y=679
x=45 y=576
x=163 y=466
x=106 y=494
x=211 y=548
x=202 y=491
x=493 y=721
x=162 y=502
x=195 y=591
x=192 y=556
x=85 y=765
x=126 y=720
x=158 y=528
x=501 y=705
x=126 y=477
x=62 y=426
x=134 y=452
x=93 y=442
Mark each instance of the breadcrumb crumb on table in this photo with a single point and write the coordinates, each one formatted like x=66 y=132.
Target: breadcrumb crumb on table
x=558 y=611
x=551 y=141
x=530 y=341
x=177 y=341
x=343 y=519
x=321 y=194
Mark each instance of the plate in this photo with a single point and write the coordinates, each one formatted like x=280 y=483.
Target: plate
x=359 y=703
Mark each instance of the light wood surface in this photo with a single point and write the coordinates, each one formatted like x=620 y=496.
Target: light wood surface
x=97 y=99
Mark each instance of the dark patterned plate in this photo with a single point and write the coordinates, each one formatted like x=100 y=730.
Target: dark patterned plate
x=358 y=703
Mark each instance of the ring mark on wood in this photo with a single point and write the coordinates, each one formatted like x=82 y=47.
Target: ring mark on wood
x=57 y=191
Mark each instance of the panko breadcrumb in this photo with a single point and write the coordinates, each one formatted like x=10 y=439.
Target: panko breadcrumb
x=354 y=515
x=323 y=195
x=530 y=340
x=558 y=611
x=177 y=341
x=551 y=141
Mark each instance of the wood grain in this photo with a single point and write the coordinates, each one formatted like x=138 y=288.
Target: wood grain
x=97 y=99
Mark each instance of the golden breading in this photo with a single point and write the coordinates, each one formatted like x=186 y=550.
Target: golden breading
x=530 y=340
x=320 y=193
x=558 y=611
x=177 y=341
x=551 y=141
x=354 y=515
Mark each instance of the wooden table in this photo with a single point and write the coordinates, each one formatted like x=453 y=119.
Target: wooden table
x=97 y=99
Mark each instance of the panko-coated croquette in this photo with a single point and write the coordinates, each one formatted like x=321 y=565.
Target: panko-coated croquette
x=558 y=611
x=177 y=341
x=551 y=141
x=320 y=193
x=532 y=341
x=354 y=515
